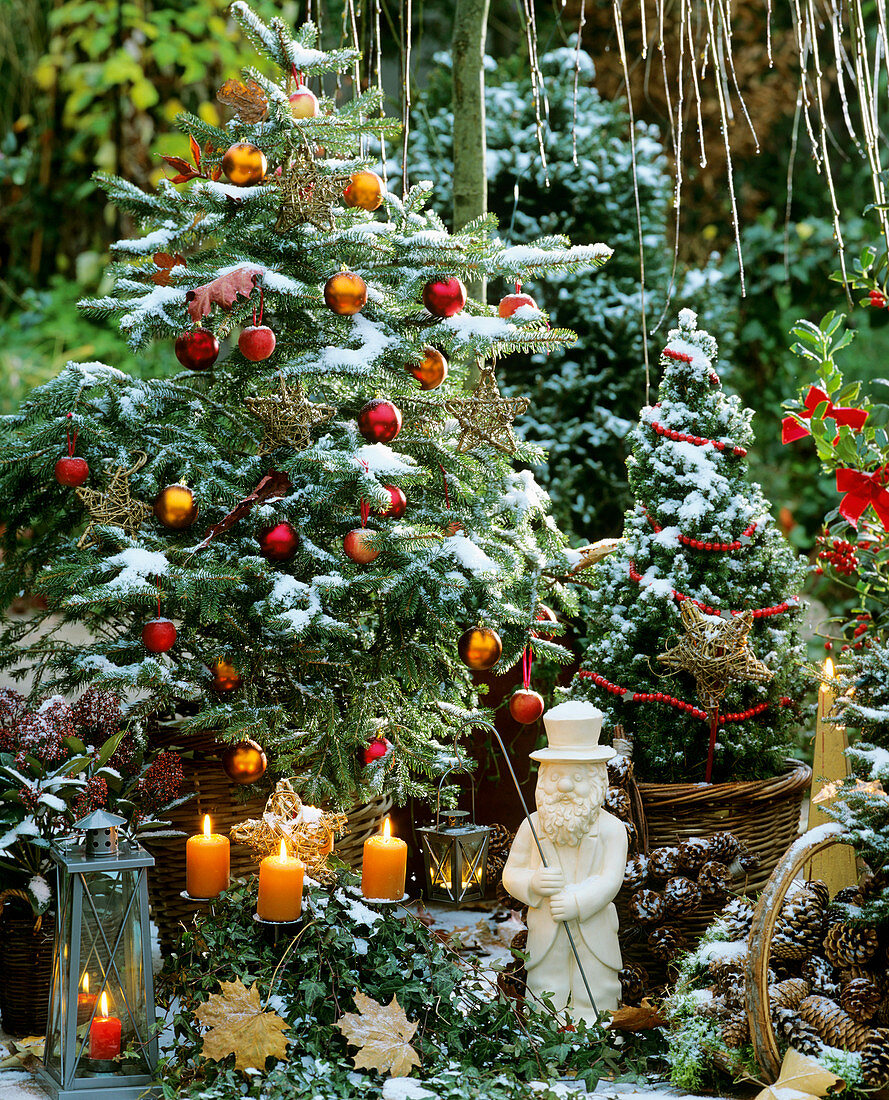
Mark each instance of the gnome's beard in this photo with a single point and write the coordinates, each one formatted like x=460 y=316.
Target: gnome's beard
x=565 y=819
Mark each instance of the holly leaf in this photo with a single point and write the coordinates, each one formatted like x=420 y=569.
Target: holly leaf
x=641 y=1017
x=239 y=1025
x=221 y=292
x=248 y=100
x=382 y=1033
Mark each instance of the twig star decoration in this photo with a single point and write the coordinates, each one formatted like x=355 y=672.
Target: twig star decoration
x=715 y=651
x=486 y=416
x=114 y=506
x=287 y=417
x=308 y=195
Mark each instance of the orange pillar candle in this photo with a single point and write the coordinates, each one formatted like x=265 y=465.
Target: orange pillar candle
x=280 y=887
x=104 y=1033
x=206 y=863
x=384 y=867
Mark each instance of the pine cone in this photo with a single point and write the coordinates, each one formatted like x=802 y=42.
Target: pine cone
x=681 y=896
x=789 y=993
x=663 y=863
x=646 y=907
x=632 y=836
x=875 y=1059
x=748 y=861
x=735 y=1030
x=666 y=942
x=850 y=944
x=860 y=997
x=723 y=847
x=713 y=880
x=800 y=1034
x=636 y=872
x=836 y=1027
x=821 y=976
x=617 y=802
x=800 y=924
x=499 y=842
x=736 y=917
x=843 y=904
x=619 y=771
x=693 y=854
x=633 y=984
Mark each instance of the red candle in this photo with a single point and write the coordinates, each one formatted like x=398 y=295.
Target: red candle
x=85 y=1000
x=104 y=1034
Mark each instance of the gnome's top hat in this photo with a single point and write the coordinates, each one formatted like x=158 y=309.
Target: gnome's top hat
x=572 y=732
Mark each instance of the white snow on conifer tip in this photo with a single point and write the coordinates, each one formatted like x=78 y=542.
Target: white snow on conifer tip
x=227 y=190
x=471 y=556
x=378 y=459
x=138 y=568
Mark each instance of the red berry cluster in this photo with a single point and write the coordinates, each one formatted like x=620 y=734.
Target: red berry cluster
x=12 y=710
x=30 y=798
x=670 y=700
x=758 y=612
x=94 y=796
x=700 y=544
x=877 y=299
x=840 y=555
x=698 y=440
x=99 y=711
x=161 y=782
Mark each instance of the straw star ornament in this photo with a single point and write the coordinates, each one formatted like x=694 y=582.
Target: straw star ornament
x=115 y=505
x=308 y=195
x=287 y=417
x=486 y=416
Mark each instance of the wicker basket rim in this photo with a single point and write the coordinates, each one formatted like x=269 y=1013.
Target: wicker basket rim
x=795 y=777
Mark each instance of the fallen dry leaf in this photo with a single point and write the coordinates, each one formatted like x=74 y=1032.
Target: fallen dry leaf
x=239 y=1025
x=382 y=1033
x=801 y=1076
x=23 y=1052
x=248 y=100
x=221 y=292
x=166 y=263
x=637 y=1017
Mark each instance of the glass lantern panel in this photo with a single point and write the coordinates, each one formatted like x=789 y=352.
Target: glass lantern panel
x=471 y=862
x=54 y=1033
x=440 y=849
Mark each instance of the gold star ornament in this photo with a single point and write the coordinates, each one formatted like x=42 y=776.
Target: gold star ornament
x=114 y=506
x=485 y=417
x=288 y=417
x=716 y=652
x=308 y=194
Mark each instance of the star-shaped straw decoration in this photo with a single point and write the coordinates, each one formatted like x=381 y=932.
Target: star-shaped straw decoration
x=716 y=652
x=486 y=416
x=115 y=505
x=308 y=195
x=287 y=417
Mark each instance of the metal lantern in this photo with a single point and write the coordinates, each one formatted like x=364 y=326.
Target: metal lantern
x=455 y=854
x=101 y=1041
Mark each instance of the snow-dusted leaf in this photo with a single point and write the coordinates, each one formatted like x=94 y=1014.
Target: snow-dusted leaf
x=222 y=292
x=239 y=1025
x=382 y=1034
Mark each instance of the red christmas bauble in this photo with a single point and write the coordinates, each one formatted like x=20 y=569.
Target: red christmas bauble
x=376 y=749
x=544 y=615
x=244 y=762
x=526 y=706
x=279 y=543
x=512 y=302
x=365 y=191
x=480 y=648
x=345 y=293
x=444 y=297
x=158 y=635
x=432 y=371
x=244 y=164
x=379 y=421
x=257 y=342
x=399 y=503
x=175 y=507
x=71 y=471
x=304 y=103
x=225 y=676
x=358 y=546
x=197 y=349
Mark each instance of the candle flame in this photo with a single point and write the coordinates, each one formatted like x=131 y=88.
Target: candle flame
x=85 y=982
x=104 y=1003
x=387 y=829
x=828 y=669
x=282 y=851
x=207 y=826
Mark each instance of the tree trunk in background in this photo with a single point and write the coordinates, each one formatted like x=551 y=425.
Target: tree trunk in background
x=470 y=175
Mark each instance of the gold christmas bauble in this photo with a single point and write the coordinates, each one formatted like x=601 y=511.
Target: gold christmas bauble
x=365 y=191
x=432 y=371
x=225 y=676
x=175 y=507
x=345 y=293
x=244 y=762
x=480 y=648
x=244 y=164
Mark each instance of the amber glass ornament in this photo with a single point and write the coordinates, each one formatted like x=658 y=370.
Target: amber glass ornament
x=365 y=191
x=175 y=507
x=244 y=164
x=432 y=371
x=480 y=648
x=345 y=293
x=225 y=676
x=244 y=762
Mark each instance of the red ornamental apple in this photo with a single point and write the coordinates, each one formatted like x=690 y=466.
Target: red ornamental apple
x=257 y=342
x=158 y=635
x=197 y=349
x=357 y=544
x=444 y=297
x=304 y=103
x=399 y=503
x=279 y=543
x=71 y=471
x=376 y=749
x=512 y=302
x=526 y=706
x=379 y=421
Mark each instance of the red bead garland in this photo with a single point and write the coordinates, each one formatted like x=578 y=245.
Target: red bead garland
x=758 y=612
x=671 y=700
x=699 y=544
x=681 y=357
x=697 y=440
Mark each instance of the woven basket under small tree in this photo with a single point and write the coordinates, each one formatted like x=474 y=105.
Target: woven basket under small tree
x=26 y=957
x=215 y=794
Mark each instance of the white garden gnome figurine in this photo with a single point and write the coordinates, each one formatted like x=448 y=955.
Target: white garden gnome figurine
x=585 y=850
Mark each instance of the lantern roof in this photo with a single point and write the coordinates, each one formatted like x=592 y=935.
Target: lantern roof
x=98 y=819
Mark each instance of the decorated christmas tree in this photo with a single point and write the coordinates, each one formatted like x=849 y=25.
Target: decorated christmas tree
x=691 y=620
x=293 y=541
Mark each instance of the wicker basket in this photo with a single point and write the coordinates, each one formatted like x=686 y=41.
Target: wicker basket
x=26 y=957
x=763 y=814
x=215 y=794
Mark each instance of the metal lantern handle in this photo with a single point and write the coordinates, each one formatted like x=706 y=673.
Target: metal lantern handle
x=460 y=766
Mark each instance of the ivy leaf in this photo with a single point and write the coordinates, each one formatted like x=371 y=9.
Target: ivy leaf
x=382 y=1033
x=239 y=1025
x=222 y=292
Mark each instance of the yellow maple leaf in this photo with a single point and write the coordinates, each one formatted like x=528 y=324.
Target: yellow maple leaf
x=382 y=1033
x=239 y=1025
